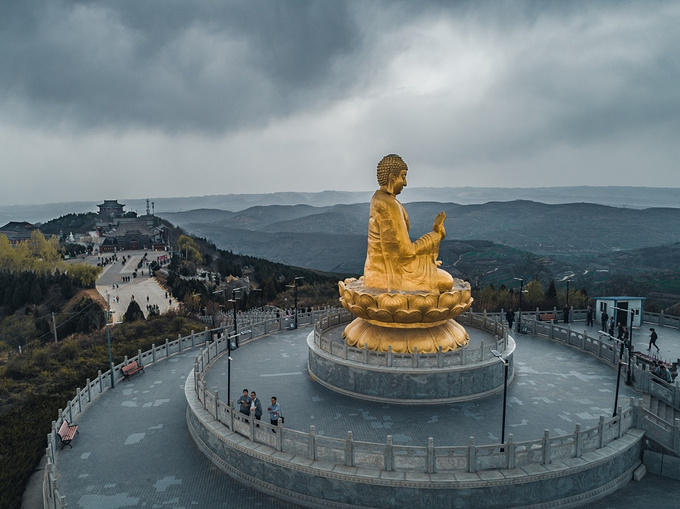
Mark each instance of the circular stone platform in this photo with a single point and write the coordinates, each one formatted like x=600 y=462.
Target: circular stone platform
x=468 y=373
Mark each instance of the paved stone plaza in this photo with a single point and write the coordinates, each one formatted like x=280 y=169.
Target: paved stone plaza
x=134 y=449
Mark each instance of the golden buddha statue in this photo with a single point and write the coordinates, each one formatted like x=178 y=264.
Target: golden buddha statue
x=404 y=301
x=393 y=262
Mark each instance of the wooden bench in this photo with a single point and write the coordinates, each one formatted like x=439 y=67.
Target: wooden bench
x=131 y=369
x=547 y=317
x=66 y=433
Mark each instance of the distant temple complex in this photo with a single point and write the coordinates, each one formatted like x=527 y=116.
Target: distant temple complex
x=120 y=230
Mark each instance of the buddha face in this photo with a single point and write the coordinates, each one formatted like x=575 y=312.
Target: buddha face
x=397 y=182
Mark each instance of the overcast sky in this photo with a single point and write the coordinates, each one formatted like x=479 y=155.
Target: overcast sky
x=134 y=99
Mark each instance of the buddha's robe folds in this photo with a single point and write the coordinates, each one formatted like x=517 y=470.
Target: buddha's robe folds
x=393 y=262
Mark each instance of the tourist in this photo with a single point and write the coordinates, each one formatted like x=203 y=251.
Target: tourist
x=255 y=406
x=589 y=316
x=244 y=402
x=652 y=339
x=665 y=374
x=604 y=320
x=274 y=412
x=510 y=317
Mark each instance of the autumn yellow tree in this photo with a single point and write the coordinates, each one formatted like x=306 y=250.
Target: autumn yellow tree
x=189 y=247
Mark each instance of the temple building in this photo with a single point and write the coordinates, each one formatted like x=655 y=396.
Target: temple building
x=120 y=230
x=17 y=231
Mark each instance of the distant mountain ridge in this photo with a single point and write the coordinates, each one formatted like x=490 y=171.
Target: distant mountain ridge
x=617 y=196
x=334 y=238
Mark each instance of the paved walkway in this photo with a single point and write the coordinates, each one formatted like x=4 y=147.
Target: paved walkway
x=143 y=288
x=134 y=449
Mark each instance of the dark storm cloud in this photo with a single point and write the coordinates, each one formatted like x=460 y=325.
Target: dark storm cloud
x=264 y=96
x=172 y=65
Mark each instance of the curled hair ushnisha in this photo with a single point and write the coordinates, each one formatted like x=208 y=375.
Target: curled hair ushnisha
x=391 y=163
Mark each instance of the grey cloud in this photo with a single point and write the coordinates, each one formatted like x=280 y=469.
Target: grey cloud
x=172 y=65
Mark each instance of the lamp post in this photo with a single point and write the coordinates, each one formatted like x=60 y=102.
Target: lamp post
x=618 y=380
x=521 y=290
x=566 y=308
x=629 y=379
x=295 y=287
x=632 y=312
x=234 y=302
x=108 y=338
x=108 y=342
x=497 y=354
x=229 y=359
x=229 y=372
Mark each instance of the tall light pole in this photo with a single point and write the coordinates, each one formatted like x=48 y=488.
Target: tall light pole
x=295 y=287
x=521 y=291
x=108 y=338
x=618 y=379
x=496 y=353
x=229 y=371
x=566 y=308
x=234 y=302
x=629 y=379
x=229 y=359
x=629 y=376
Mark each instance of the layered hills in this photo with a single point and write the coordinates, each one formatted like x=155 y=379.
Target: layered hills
x=578 y=236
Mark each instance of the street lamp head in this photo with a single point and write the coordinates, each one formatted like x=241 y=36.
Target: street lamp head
x=497 y=354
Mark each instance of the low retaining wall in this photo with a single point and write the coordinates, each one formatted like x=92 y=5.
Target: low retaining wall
x=271 y=468
x=414 y=385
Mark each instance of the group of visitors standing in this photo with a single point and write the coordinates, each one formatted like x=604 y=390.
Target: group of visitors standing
x=250 y=404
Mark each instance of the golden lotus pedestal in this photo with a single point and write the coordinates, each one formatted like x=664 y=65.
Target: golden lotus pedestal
x=405 y=321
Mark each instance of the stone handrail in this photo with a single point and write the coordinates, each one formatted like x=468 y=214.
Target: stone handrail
x=430 y=458
x=459 y=357
x=84 y=397
x=609 y=351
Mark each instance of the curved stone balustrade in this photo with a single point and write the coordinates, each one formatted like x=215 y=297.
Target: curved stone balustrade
x=321 y=471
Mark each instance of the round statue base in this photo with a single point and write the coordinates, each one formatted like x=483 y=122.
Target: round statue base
x=404 y=378
x=426 y=338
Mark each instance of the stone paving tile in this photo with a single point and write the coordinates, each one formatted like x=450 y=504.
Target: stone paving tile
x=134 y=449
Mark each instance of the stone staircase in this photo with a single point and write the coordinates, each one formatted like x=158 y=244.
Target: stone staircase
x=659 y=408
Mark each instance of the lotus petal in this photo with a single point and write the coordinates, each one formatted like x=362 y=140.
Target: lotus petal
x=357 y=311
x=392 y=301
x=437 y=314
x=423 y=303
x=408 y=316
x=348 y=295
x=449 y=299
x=380 y=315
x=365 y=301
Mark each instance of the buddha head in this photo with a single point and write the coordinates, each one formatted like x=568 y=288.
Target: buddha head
x=392 y=173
